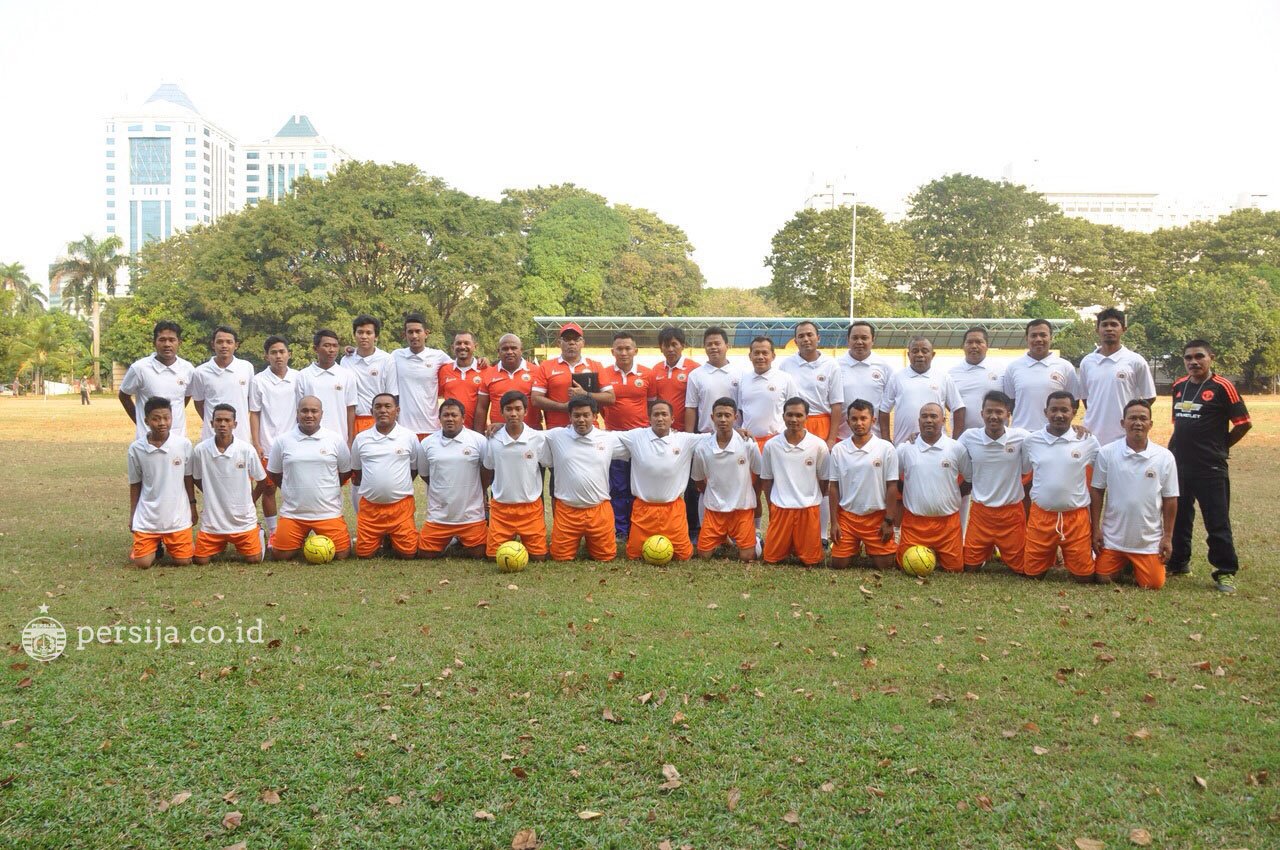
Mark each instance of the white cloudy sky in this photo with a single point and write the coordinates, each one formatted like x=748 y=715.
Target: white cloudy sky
x=715 y=115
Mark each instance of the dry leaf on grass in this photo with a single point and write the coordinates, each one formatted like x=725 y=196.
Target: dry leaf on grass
x=984 y=803
x=239 y=845
x=1201 y=783
x=525 y=839
x=481 y=814
x=1140 y=837
x=792 y=817
x=1089 y=844
x=231 y=820
x=267 y=744
x=394 y=800
x=269 y=797
x=1040 y=751
x=608 y=716
x=827 y=787
x=587 y=814
x=731 y=800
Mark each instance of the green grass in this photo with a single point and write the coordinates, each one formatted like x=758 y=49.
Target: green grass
x=933 y=694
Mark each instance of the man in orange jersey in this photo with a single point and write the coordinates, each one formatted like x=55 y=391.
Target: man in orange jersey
x=661 y=460
x=726 y=467
x=930 y=465
x=224 y=467
x=579 y=455
x=996 y=514
x=461 y=378
x=794 y=468
x=632 y=386
x=452 y=462
x=553 y=381
x=384 y=462
x=863 y=491
x=511 y=372
x=515 y=506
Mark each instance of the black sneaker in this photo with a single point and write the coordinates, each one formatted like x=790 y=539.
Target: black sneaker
x=1179 y=570
x=1225 y=583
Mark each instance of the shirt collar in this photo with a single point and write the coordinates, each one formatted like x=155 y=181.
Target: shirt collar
x=770 y=374
x=474 y=367
x=1069 y=437
x=164 y=447
x=966 y=366
x=320 y=370
x=847 y=359
x=680 y=364
x=378 y=353
x=160 y=367
x=288 y=376
x=522 y=366
x=922 y=446
x=1128 y=452
x=504 y=437
x=634 y=370
x=735 y=440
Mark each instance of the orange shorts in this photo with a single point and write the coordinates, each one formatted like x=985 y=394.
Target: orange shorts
x=794 y=530
x=292 y=533
x=176 y=543
x=1004 y=527
x=760 y=441
x=572 y=524
x=267 y=485
x=1148 y=569
x=527 y=522
x=720 y=527
x=1049 y=530
x=864 y=530
x=363 y=423
x=247 y=543
x=665 y=518
x=376 y=521
x=435 y=536
x=940 y=533
x=819 y=425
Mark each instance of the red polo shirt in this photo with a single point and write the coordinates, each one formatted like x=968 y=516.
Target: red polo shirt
x=552 y=377
x=496 y=381
x=462 y=384
x=632 y=393
x=669 y=383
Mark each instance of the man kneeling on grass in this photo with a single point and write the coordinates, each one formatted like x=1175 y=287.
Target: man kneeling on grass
x=226 y=467
x=451 y=461
x=162 y=495
x=309 y=464
x=384 y=461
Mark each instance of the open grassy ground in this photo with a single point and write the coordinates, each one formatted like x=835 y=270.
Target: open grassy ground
x=446 y=705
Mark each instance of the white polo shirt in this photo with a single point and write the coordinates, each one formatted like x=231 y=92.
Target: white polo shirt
x=163 y=507
x=311 y=464
x=224 y=478
x=929 y=486
x=863 y=473
x=149 y=378
x=760 y=399
x=452 y=467
x=213 y=385
x=581 y=464
x=660 y=466
x=727 y=472
x=819 y=381
x=1137 y=483
x=996 y=466
x=865 y=379
x=418 y=381
x=1057 y=468
x=1109 y=382
x=1028 y=382
x=275 y=400
x=909 y=390
x=795 y=470
x=386 y=463
x=517 y=477
x=708 y=383
x=336 y=389
x=973 y=382
x=374 y=374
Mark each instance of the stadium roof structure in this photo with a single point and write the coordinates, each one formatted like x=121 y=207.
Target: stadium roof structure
x=833 y=332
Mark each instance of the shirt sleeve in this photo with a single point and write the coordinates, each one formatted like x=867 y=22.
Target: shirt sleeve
x=391 y=378
x=697 y=470
x=255 y=396
x=197 y=466
x=344 y=456
x=355 y=453
x=132 y=381
x=693 y=395
x=1073 y=380
x=256 y=472
x=891 y=466
x=955 y=401
x=963 y=463
x=1169 y=479
x=545 y=455
x=349 y=391
x=1100 y=465
x=196 y=388
x=275 y=458
x=301 y=389
x=540 y=378
x=1145 y=382
x=754 y=458
x=133 y=467
x=1006 y=384
x=835 y=387
x=824 y=463
x=766 y=465
x=890 y=397
x=621 y=445
x=186 y=457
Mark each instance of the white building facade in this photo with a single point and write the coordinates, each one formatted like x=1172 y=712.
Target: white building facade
x=271 y=166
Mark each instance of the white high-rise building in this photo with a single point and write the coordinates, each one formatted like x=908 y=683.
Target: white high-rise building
x=271 y=166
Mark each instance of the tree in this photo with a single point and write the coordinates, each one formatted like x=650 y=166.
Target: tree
x=89 y=268
x=735 y=301
x=48 y=346
x=27 y=295
x=654 y=274
x=571 y=246
x=531 y=204
x=1247 y=238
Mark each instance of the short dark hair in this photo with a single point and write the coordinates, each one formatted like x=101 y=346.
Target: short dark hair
x=163 y=326
x=654 y=402
x=218 y=408
x=1061 y=394
x=1199 y=343
x=623 y=335
x=453 y=402
x=860 y=404
x=457 y=334
x=512 y=395
x=583 y=401
x=1031 y=324
x=794 y=400
x=860 y=323
x=416 y=318
x=322 y=334
x=1111 y=313
x=272 y=340
x=1001 y=399
x=716 y=330
x=1135 y=402
x=156 y=402
x=724 y=401
x=761 y=338
x=669 y=333
x=377 y=396
x=976 y=329
x=224 y=329
x=362 y=320
x=798 y=325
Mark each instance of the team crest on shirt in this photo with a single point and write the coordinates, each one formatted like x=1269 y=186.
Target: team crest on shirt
x=526 y=377
x=772 y=388
x=1151 y=473
x=822 y=377
x=337 y=386
x=181 y=383
x=639 y=382
x=466 y=451
x=1010 y=449
x=1122 y=376
x=1055 y=376
x=742 y=461
x=992 y=376
x=599 y=447
x=476 y=379
x=808 y=461
x=402 y=451
x=876 y=463
x=933 y=387
x=1207 y=395
x=324 y=451
x=177 y=461
x=1075 y=455
x=946 y=464
x=875 y=375
x=240 y=465
x=243 y=382
x=681 y=377
x=373 y=373
x=733 y=383
x=675 y=451
x=528 y=455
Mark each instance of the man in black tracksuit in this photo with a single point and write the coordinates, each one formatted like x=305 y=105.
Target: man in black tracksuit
x=1209 y=417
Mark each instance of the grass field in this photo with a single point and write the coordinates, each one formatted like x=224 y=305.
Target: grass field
x=444 y=705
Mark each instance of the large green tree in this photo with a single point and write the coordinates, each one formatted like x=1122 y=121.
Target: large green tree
x=88 y=273
x=50 y=346
x=28 y=298
x=571 y=247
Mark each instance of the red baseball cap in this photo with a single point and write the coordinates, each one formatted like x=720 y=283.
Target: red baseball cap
x=571 y=326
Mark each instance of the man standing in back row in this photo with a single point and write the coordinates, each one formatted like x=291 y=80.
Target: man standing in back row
x=1032 y=377
x=1111 y=377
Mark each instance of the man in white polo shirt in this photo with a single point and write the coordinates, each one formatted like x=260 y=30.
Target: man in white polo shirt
x=162 y=374
x=333 y=384
x=863 y=491
x=794 y=468
x=417 y=378
x=374 y=370
x=717 y=378
x=452 y=463
x=929 y=466
x=1134 y=501
x=661 y=460
x=1057 y=458
x=580 y=454
x=1111 y=377
x=384 y=462
x=1032 y=377
x=975 y=376
x=224 y=467
x=309 y=464
x=762 y=392
x=863 y=373
x=516 y=511
x=273 y=410
x=222 y=379
x=162 y=496
x=726 y=467
x=818 y=381
x=914 y=386
x=996 y=515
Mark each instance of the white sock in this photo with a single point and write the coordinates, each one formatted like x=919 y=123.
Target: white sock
x=269 y=523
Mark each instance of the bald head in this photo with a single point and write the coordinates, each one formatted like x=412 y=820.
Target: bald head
x=510 y=351
x=931 y=420
x=310 y=412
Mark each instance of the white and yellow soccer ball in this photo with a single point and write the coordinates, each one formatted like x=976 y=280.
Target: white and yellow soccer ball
x=658 y=550
x=919 y=560
x=318 y=549
x=511 y=557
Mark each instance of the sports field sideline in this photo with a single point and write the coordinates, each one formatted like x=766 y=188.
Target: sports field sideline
x=443 y=704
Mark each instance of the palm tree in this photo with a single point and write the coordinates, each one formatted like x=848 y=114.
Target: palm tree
x=28 y=297
x=44 y=347
x=89 y=268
